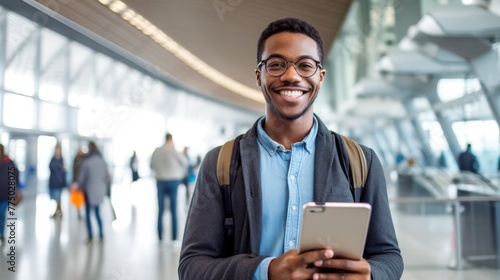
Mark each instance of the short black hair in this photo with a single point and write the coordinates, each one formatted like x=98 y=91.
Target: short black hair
x=294 y=25
x=168 y=136
x=92 y=146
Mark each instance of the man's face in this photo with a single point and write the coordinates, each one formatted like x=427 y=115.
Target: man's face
x=289 y=96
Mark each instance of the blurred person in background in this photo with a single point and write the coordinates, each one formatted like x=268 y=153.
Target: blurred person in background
x=94 y=180
x=134 y=167
x=467 y=161
x=77 y=161
x=169 y=167
x=57 y=179
x=189 y=177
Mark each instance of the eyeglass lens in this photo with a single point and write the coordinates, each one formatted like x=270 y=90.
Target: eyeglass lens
x=305 y=67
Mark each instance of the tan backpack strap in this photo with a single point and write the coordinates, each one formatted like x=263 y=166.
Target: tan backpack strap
x=357 y=162
x=226 y=158
x=224 y=163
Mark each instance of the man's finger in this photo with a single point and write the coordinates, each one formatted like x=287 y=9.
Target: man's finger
x=318 y=255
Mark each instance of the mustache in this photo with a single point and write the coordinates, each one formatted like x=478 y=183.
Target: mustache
x=297 y=86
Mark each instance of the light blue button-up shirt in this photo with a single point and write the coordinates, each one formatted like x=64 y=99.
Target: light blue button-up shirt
x=287 y=178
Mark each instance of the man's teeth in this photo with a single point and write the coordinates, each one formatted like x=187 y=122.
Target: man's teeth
x=291 y=93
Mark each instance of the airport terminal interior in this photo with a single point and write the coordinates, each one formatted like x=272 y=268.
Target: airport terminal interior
x=418 y=81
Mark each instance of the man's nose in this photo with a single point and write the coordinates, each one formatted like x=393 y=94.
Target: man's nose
x=291 y=73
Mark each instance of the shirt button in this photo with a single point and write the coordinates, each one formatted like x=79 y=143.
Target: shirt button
x=290 y=243
x=294 y=207
x=271 y=152
x=292 y=177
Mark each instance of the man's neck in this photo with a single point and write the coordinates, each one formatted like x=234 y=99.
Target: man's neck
x=287 y=132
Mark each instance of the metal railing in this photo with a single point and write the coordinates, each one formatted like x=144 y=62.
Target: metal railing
x=457 y=210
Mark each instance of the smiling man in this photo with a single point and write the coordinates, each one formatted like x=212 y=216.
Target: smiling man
x=288 y=158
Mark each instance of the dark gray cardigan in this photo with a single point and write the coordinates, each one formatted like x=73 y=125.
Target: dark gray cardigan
x=202 y=247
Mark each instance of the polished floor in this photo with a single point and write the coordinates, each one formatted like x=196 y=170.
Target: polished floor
x=54 y=249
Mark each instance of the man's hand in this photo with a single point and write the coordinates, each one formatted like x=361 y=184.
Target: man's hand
x=318 y=264
x=342 y=269
x=291 y=265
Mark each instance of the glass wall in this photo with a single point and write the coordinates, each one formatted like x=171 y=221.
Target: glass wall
x=440 y=121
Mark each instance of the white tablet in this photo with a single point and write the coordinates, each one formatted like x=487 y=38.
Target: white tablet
x=340 y=226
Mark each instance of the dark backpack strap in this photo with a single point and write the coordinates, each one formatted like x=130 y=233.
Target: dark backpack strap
x=227 y=167
x=353 y=162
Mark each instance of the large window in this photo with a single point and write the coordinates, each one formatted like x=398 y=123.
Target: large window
x=62 y=89
x=483 y=135
x=18 y=111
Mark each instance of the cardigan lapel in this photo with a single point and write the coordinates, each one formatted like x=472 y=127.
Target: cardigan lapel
x=323 y=160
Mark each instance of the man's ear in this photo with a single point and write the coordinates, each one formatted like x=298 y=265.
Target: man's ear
x=321 y=76
x=257 y=74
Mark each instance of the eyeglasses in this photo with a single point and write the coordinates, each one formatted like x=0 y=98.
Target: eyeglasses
x=276 y=66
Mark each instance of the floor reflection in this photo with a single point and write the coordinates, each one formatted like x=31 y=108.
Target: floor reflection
x=55 y=249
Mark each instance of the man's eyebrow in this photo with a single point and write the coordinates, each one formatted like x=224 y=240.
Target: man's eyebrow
x=275 y=55
x=282 y=57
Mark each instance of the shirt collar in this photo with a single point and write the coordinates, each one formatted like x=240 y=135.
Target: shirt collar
x=272 y=147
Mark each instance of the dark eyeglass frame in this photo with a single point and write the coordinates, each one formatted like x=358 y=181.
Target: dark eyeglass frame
x=263 y=62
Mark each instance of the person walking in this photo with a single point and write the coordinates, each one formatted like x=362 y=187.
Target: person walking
x=9 y=185
x=498 y=165
x=134 y=167
x=57 y=179
x=467 y=161
x=287 y=158
x=94 y=180
x=187 y=180
x=77 y=161
x=169 y=167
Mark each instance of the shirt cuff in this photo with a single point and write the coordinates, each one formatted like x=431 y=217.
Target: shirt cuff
x=261 y=272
